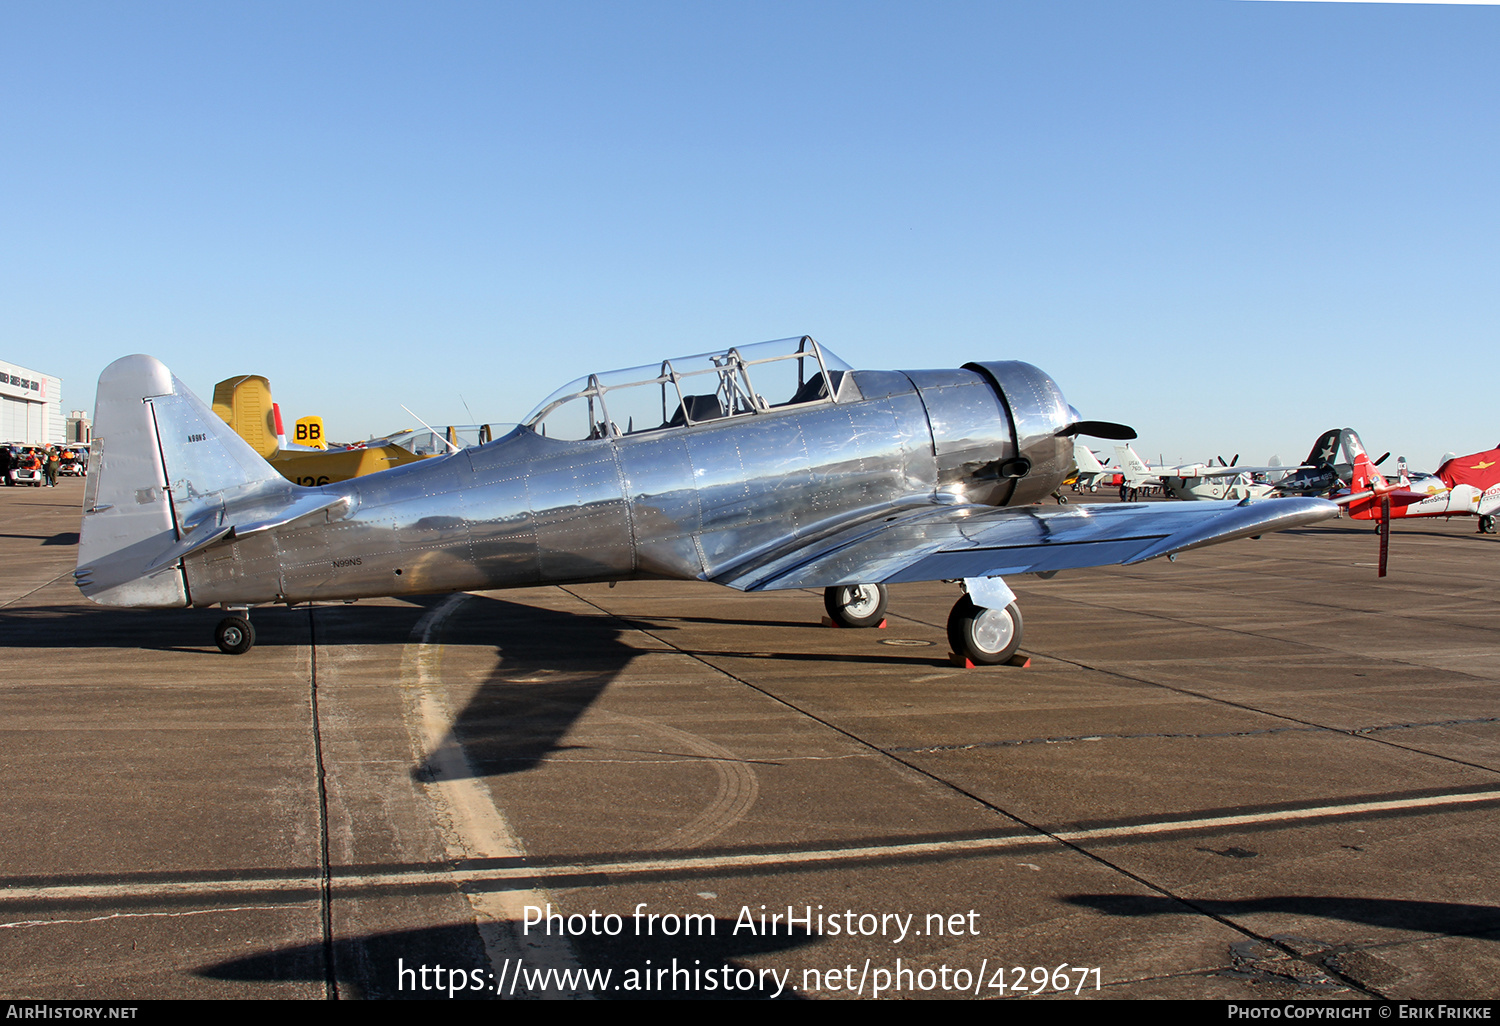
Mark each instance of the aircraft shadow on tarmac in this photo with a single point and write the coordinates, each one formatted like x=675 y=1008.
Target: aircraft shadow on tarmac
x=191 y=630
x=1456 y=919
x=169 y=630
x=61 y=538
x=549 y=665
x=548 y=669
x=366 y=966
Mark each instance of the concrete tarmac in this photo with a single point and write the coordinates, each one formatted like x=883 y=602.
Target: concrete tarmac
x=1258 y=772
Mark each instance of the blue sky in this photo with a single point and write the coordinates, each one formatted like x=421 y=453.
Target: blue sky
x=1230 y=224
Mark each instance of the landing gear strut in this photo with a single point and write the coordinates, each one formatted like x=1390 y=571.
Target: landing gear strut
x=234 y=635
x=987 y=637
x=855 y=605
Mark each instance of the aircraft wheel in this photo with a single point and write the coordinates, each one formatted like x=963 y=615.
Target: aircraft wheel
x=1487 y=523
x=234 y=635
x=987 y=637
x=856 y=605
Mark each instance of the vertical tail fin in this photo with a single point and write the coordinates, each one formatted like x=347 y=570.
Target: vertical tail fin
x=164 y=469
x=245 y=404
x=1134 y=468
x=1366 y=477
x=1326 y=448
x=1085 y=460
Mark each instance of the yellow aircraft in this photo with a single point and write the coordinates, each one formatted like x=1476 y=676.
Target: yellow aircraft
x=245 y=404
x=310 y=433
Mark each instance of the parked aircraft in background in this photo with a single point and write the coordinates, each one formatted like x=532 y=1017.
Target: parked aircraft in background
x=1194 y=480
x=1329 y=467
x=1090 y=473
x=1323 y=471
x=1471 y=487
x=245 y=404
x=309 y=433
x=771 y=466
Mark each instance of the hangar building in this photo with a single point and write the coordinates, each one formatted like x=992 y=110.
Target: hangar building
x=30 y=406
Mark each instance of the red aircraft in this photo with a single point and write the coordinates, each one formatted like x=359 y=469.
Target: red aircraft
x=1465 y=486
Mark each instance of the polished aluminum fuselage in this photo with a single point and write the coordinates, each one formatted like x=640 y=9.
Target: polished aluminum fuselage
x=687 y=502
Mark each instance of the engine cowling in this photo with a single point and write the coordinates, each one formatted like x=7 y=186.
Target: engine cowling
x=1037 y=411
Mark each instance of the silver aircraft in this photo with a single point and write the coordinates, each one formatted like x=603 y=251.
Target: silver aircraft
x=763 y=467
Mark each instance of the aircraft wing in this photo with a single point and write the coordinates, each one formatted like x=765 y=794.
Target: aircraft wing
x=949 y=542
x=1236 y=471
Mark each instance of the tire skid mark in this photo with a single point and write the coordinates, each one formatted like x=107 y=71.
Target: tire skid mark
x=738 y=784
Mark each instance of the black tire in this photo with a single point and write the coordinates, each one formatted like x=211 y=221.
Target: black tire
x=856 y=605
x=235 y=635
x=1487 y=524
x=986 y=637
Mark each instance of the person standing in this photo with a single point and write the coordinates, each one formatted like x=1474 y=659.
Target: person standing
x=50 y=467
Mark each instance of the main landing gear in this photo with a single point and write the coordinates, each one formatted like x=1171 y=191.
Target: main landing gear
x=1487 y=524
x=234 y=635
x=856 y=605
x=986 y=637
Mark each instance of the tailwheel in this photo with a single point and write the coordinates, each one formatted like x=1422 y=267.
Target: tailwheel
x=987 y=637
x=234 y=635
x=856 y=605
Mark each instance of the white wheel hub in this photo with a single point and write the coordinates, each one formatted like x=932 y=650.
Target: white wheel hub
x=860 y=600
x=993 y=630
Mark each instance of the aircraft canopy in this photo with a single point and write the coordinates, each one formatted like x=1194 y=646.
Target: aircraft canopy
x=745 y=380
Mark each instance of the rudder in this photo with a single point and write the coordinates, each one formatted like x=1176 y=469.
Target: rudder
x=164 y=467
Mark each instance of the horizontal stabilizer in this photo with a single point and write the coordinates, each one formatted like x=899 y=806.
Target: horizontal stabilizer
x=200 y=539
x=247 y=521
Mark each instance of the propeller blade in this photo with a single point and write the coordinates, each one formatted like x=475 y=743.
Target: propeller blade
x=1099 y=429
x=1385 y=531
x=1235 y=460
x=1221 y=461
x=1382 y=459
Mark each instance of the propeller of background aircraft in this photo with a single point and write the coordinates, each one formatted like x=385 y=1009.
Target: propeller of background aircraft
x=1388 y=494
